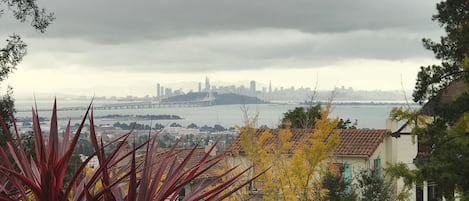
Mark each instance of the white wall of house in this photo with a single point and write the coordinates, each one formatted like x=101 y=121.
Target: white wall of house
x=402 y=149
x=363 y=162
x=392 y=150
x=406 y=150
x=358 y=163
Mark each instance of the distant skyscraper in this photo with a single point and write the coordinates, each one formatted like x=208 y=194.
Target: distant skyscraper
x=200 y=87
x=270 y=86
x=158 y=90
x=207 y=84
x=168 y=92
x=253 y=87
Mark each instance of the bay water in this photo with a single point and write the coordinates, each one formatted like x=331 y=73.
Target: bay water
x=368 y=115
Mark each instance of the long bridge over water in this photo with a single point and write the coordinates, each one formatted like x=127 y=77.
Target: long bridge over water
x=137 y=105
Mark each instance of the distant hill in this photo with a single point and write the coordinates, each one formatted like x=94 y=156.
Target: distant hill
x=219 y=99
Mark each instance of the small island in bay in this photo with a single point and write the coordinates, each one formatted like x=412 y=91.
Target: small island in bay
x=215 y=98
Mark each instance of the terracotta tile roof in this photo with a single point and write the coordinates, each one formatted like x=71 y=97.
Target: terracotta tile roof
x=182 y=153
x=359 y=141
x=362 y=142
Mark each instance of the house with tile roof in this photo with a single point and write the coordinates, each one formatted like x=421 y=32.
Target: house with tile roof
x=358 y=149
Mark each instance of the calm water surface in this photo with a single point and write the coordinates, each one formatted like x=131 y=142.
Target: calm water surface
x=367 y=115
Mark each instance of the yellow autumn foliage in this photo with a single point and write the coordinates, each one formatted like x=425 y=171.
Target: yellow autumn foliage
x=294 y=172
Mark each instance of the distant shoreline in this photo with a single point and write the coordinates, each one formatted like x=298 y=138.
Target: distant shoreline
x=24 y=105
x=349 y=102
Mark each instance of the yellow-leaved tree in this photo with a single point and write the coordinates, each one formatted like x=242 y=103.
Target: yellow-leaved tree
x=295 y=164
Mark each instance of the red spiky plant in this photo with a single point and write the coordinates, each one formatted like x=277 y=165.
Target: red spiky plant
x=159 y=175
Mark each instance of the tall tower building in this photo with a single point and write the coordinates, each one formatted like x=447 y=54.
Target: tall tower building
x=200 y=87
x=252 y=87
x=270 y=87
x=168 y=92
x=158 y=90
x=207 y=84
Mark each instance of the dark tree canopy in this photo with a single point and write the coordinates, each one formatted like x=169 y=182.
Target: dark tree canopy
x=347 y=124
x=305 y=117
x=446 y=140
x=301 y=117
x=219 y=127
x=23 y=10
x=158 y=126
x=192 y=125
x=453 y=16
x=373 y=187
x=338 y=188
x=15 y=49
x=174 y=124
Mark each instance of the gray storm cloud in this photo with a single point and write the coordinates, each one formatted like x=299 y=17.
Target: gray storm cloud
x=121 y=20
x=207 y=35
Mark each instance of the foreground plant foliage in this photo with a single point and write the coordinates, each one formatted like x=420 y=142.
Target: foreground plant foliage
x=443 y=91
x=293 y=173
x=121 y=175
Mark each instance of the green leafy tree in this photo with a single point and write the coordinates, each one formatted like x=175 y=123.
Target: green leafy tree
x=338 y=189
x=159 y=126
x=27 y=139
x=305 y=117
x=84 y=147
x=347 y=124
x=453 y=16
x=263 y=126
x=192 y=125
x=15 y=49
x=301 y=117
x=219 y=127
x=445 y=138
x=174 y=124
x=374 y=187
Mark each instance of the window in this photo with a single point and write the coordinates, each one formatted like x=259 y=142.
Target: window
x=377 y=167
x=348 y=177
x=419 y=193
x=347 y=172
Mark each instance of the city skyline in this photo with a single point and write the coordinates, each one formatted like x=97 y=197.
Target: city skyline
x=251 y=87
x=123 y=47
x=161 y=90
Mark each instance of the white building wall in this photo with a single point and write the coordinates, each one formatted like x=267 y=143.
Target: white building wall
x=403 y=149
x=391 y=151
x=360 y=163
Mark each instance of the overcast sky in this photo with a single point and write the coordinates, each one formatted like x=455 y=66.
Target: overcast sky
x=122 y=47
